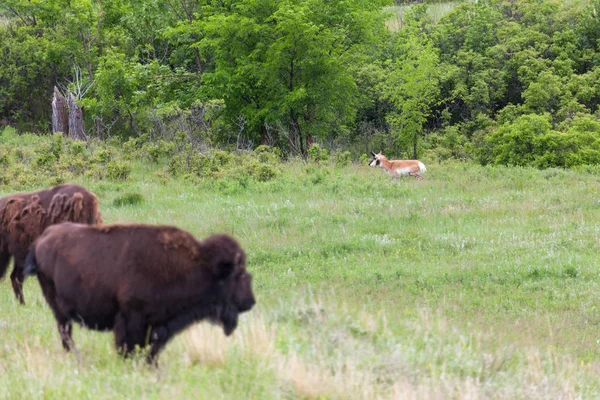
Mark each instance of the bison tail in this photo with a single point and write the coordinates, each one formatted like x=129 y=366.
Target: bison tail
x=30 y=264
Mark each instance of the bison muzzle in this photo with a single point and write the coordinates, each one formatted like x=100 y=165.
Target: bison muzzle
x=146 y=283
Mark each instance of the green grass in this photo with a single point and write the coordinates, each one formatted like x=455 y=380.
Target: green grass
x=472 y=283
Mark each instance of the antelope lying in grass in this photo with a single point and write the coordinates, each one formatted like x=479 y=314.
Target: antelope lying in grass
x=397 y=168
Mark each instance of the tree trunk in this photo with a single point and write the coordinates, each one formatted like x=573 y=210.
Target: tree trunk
x=60 y=113
x=309 y=141
x=75 y=119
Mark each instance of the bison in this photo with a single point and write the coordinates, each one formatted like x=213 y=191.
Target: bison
x=145 y=282
x=24 y=216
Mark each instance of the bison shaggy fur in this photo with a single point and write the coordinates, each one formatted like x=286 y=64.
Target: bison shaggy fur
x=144 y=282
x=24 y=216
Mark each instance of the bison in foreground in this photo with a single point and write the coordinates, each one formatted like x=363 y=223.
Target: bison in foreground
x=146 y=283
x=24 y=216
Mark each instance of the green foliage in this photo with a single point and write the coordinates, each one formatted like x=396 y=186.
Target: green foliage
x=342 y=158
x=364 y=159
x=169 y=75
x=412 y=84
x=157 y=152
x=317 y=154
x=530 y=140
x=118 y=170
x=128 y=199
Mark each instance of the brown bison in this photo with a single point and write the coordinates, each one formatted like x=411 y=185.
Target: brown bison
x=146 y=283
x=24 y=216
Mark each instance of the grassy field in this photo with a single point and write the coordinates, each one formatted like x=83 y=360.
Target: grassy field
x=472 y=283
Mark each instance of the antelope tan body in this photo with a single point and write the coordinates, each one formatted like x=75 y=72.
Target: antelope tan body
x=397 y=168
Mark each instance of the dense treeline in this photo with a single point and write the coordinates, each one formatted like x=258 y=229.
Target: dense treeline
x=501 y=82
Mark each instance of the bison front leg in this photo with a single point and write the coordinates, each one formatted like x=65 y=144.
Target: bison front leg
x=130 y=330
x=65 y=329
x=4 y=259
x=16 y=278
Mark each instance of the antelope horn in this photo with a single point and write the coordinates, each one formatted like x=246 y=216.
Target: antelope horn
x=372 y=153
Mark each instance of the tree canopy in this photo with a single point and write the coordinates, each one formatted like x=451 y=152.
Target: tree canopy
x=510 y=82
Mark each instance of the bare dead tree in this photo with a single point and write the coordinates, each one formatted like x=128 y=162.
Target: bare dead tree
x=292 y=140
x=241 y=123
x=75 y=119
x=60 y=113
x=76 y=89
x=78 y=86
x=107 y=126
x=266 y=137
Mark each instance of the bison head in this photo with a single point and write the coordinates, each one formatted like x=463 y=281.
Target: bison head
x=228 y=264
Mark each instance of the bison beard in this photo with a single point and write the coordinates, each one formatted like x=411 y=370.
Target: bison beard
x=24 y=216
x=146 y=283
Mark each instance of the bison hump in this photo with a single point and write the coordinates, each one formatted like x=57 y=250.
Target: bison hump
x=180 y=241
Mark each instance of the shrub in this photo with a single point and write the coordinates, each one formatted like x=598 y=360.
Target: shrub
x=529 y=140
x=5 y=154
x=178 y=165
x=57 y=145
x=103 y=156
x=342 y=159
x=77 y=147
x=317 y=154
x=128 y=199
x=155 y=152
x=44 y=160
x=267 y=154
x=118 y=170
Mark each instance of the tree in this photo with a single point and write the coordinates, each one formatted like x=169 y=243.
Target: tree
x=281 y=63
x=60 y=113
x=412 y=86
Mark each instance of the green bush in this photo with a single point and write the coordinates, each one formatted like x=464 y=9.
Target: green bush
x=44 y=160
x=5 y=156
x=155 y=152
x=118 y=170
x=57 y=145
x=77 y=147
x=342 y=158
x=103 y=156
x=530 y=140
x=317 y=154
x=128 y=199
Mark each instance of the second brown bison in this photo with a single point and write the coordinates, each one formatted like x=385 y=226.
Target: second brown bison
x=146 y=283
x=24 y=216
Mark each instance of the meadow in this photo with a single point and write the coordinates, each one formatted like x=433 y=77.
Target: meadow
x=476 y=282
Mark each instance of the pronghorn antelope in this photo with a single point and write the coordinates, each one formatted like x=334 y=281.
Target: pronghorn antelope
x=397 y=168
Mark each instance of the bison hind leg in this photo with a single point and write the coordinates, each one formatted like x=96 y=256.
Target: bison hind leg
x=159 y=336
x=130 y=331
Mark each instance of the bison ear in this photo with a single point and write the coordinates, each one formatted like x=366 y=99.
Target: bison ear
x=224 y=268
